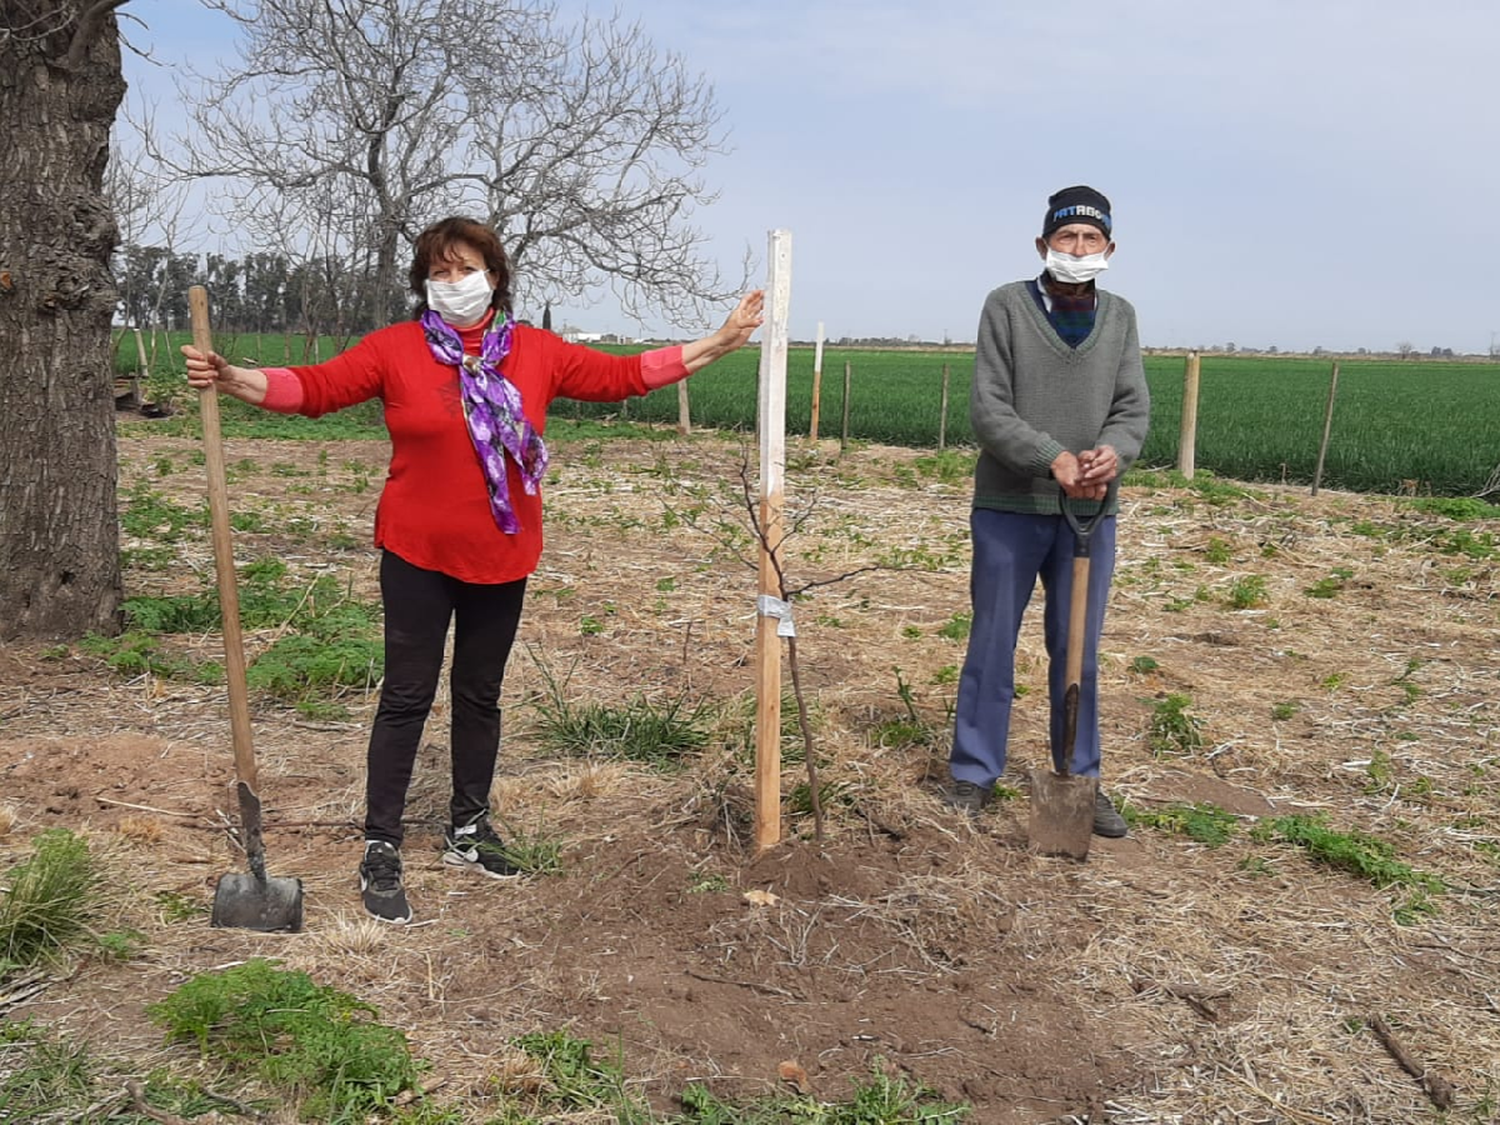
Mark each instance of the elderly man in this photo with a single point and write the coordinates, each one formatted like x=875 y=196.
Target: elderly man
x=1060 y=407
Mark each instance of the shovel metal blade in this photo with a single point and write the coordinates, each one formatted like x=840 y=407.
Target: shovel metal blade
x=1062 y=813
x=247 y=903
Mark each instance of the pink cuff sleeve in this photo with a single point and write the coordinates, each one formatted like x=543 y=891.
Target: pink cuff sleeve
x=283 y=390
x=662 y=367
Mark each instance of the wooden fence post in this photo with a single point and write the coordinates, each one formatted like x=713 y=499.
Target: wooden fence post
x=1333 y=386
x=684 y=415
x=770 y=612
x=141 y=365
x=943 y=416
x=1187 y=445
x=812 y=432
x=844 y=430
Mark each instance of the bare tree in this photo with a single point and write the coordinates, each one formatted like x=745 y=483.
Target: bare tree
x=592 y=168
x=1404 y=349
x=60 y=85
x=581 y=143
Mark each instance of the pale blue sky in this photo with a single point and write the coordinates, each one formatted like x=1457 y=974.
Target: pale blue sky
x=1288 y=172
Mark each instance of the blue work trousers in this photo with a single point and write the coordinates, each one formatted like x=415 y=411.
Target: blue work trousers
x=1012 y=550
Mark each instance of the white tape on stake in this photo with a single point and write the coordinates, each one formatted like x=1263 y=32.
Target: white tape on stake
x=768 y=606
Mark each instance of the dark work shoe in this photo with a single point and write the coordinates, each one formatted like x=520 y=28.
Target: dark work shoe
x=1107 y=819
x=380 y=883
x=967 y=797
x=476 y=845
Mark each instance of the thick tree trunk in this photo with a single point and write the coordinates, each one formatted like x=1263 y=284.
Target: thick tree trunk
x=60 y=85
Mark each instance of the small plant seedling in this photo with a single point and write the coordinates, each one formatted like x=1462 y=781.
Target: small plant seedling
x=957 y=627
x=173 y=906
x=1172 y=731
x=1144 y=665
x=1217 y=551
x=1283 y=711
x=1331 y=586
x=1248 y=592
x=707 y=883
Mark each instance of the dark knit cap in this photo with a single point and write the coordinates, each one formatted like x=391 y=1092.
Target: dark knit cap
x=1078 y=204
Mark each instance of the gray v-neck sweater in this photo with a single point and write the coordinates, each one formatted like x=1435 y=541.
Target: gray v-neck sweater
x=1034 y=397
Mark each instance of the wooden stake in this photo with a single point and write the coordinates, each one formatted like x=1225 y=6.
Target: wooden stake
x=684 y=415
x=812 y=431
x=943 y=412
x=1333 y=386
x=771 y=423
x=1187 y=446
x=844 y=430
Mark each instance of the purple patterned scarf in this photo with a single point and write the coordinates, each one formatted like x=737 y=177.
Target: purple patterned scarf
x=492 y=407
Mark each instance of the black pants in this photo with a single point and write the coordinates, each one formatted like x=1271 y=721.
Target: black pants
x=418 y=606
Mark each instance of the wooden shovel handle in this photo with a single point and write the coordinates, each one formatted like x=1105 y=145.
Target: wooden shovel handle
x=218 y=510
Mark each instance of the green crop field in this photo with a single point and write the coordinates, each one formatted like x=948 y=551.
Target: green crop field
x=1398 y=426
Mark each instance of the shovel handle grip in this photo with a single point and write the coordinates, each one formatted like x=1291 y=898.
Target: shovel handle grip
x=218 y=509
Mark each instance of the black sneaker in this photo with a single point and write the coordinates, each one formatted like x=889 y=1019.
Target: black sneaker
x=380 y=883
x=967 y=797
x=476 y=846
x=1107 y=819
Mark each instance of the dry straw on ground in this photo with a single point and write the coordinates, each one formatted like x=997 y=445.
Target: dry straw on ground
x=1162 y=981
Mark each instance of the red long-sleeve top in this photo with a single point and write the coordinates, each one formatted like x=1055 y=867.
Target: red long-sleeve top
x=434 y=510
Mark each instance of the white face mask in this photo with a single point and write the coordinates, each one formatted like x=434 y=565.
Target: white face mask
x=1075 y=271
x=461 y=303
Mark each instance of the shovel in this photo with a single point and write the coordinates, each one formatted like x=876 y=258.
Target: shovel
x=254 y=901
x=1062 y=802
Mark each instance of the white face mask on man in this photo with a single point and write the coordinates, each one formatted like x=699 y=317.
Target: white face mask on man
x=461 y=303
x=1075 y=271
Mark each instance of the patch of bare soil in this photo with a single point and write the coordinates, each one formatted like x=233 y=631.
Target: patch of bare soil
x=1162 y=980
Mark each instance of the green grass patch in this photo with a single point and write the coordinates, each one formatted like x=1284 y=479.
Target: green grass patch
x=147 y=514
x=575 y=1080
x=879 y=1099
x=134 y=654
x=1359 y=854
x=330 y=641
x=49 y=902
x=1206 y=823
x=660 y=735
x=531 y=853
x=957 y=627
x=324 y=1046
x=1331 y=586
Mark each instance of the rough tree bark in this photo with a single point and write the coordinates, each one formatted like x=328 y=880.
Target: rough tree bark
x=60 y=85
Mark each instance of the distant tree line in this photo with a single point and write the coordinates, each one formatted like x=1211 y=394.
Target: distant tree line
x=259 y=292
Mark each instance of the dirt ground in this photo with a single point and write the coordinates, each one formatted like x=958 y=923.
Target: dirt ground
x=1160 y=981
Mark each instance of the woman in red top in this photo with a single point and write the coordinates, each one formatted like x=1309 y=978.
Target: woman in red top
x=459 y=524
